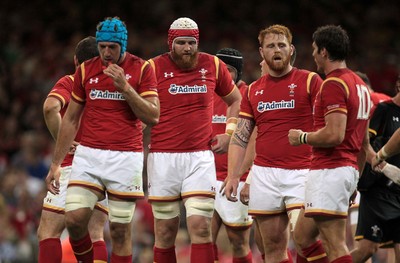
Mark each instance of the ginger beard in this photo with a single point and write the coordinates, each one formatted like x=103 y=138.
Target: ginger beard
x=187 y=60
x=278 y=62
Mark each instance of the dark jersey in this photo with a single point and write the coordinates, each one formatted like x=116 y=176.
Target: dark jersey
x=384 y=122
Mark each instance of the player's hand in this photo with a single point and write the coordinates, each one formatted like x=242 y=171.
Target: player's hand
x=352 y=200
x=53 y=179
x=244 y=194
x=118 y=75
x=377 y=164
x=220 y=143
x=294 y=137
x=230 y=190
x=72 y=149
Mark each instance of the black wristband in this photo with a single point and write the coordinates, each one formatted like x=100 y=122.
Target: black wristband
x=303 y=138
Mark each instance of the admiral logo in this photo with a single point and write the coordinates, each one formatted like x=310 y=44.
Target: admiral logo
x=105 y=95
x=127 y=76
x=259 y=92
x=218 y=119
x=178 y=89
x=166 y=75
x=275 y=105
x=396 y=119
x=93 y=80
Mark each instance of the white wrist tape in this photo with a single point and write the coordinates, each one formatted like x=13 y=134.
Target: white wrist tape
x=230 y=127
x=392 y=172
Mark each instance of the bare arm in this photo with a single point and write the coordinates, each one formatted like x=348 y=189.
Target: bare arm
x=69 y=128
x=236 y=154
x=222 y=140
x=392 y=147
x=65 y=138
x=331 y=135
x=52 y=116
x=250 y=153
x=233 y=101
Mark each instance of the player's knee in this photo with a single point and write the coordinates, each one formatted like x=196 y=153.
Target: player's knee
x=79 y=197
x=120 y=233
x=199 y=206
x=165 y=210
x=121 y=211
x=239 y=244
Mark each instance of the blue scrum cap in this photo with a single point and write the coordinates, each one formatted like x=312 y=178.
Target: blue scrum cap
x=112 y=30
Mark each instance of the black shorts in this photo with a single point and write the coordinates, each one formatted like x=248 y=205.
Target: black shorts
x=379 y=217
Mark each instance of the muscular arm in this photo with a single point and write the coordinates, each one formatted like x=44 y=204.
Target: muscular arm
x=233 y=101
x=236 y=154
x=250 y=153
x=146 y=109
x=52 y=116
x=67 y=132
x=392 y=147
x=332 y=134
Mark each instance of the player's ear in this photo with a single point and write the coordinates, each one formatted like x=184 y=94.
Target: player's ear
x=260 y=50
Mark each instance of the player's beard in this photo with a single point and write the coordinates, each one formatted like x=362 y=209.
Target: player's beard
x=278 y=66
x=185 y=61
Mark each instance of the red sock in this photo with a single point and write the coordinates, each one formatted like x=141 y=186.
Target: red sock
x=202 y=253
x=50 y=250
x=164 y=255
x=83 y=249
x=285 y=261
x=120 y=259
x=215 y=248
x=300 y=259
x=343 y=259
x=289 y=254
x=100 y=253
x=315 y=253
x=246 y=259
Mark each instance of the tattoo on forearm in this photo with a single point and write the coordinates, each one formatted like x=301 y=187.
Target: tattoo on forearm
x=242 y=133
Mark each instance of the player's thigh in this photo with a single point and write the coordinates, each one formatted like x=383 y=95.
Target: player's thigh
x=51 y=225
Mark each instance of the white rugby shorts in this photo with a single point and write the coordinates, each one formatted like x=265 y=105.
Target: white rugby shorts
x=119 y=173
x=233 y=214
x=175 y=176
x=56 y=203
x=275 y=190
x=328 y=191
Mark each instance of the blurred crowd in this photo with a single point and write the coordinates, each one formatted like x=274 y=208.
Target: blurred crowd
x=37 y=42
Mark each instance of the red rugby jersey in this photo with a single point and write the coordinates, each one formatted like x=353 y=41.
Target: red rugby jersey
x=110 y=123
x=342 y=92
x=278 y=104
x=186 y=103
